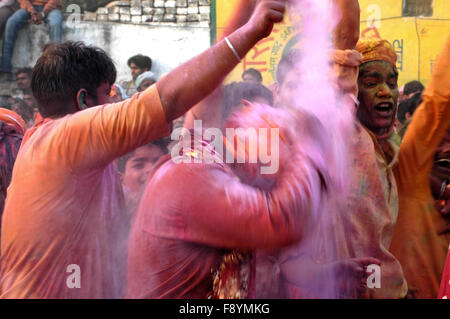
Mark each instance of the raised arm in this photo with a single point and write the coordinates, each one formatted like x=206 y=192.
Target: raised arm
x=345 y=37
x=428 y=126
x=346 y=33
x=194 y=80
x=209 y=110
x=96 y=136
x=220 y=211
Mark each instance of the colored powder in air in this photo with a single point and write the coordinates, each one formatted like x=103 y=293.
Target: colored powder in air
x=318 y=98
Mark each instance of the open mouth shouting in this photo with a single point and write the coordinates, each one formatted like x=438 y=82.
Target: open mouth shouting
x=385 y=109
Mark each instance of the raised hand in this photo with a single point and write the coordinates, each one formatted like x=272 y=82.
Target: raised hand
x=266 y=14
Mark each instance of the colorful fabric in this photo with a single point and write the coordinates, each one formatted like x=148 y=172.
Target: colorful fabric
x=193 y=215
x=377 y=50
x=48 y=5
x=364 y=224
x=129 y=87
x=12 y=118
x=65 y=204
x=10 y=141
x=416 y=242
x=345 y=68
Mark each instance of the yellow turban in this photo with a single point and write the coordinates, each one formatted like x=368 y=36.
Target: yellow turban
x=377 y=50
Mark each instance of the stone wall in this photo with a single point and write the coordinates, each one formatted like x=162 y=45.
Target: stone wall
x=168 y=43
x=148 y=11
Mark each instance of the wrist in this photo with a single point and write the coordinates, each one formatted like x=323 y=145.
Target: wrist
x=251 y=34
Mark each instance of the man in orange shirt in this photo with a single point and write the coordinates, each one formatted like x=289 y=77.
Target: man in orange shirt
x=36 y=12
x=62 y=235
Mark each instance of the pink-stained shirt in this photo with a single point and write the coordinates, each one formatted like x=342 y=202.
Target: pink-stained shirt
x=192 y=213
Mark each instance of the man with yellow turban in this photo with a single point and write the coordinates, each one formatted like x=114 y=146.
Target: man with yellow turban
x=403 y=172
x=382 y=175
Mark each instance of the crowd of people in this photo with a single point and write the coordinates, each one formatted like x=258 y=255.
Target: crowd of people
x=90 y=177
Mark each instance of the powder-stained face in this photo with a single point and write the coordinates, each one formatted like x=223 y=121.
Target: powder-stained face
x=378 y=96
x=139 y=165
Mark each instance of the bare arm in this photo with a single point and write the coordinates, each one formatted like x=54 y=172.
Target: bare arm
x=223 y=212
x=346 y=33
x=428 y=126
x=194 y=80
x=209 y=110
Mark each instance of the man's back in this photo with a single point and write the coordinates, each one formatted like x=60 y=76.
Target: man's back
x=64 y=205
x=57 y=224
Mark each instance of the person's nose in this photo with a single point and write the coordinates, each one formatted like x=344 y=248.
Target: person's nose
x=384 y=91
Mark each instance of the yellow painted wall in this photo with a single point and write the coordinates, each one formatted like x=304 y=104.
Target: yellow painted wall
x=418 y=40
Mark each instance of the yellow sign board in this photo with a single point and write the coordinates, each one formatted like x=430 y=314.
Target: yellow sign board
x=417 y=40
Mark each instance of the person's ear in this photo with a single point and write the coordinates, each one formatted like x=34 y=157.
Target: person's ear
x=407 y=115
x=81 y=99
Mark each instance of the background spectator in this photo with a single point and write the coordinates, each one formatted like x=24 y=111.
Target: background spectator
x=252 y=75
x=144 y=81
x=24 y=78
x=36 y=12
x=5 y=101
x=234 y=93
x=19 y=106
x=138 y=64
x=6 y=10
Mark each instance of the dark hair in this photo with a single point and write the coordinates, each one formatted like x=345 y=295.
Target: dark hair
x=254 y=73
x=412 y=87
x=142 y=61
x=161 y=143
x=27 y=71
x=409 y=105
x=27 y=92
x=63 y=70
x=4 y=101
x=23 y=110
x=286 y=64
x=235 y=92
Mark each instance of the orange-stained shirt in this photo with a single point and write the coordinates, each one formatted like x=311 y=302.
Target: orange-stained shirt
x=64 y=205
x=48 y=5
x=416 y=244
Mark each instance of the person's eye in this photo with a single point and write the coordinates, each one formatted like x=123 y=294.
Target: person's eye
x=392 y=85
